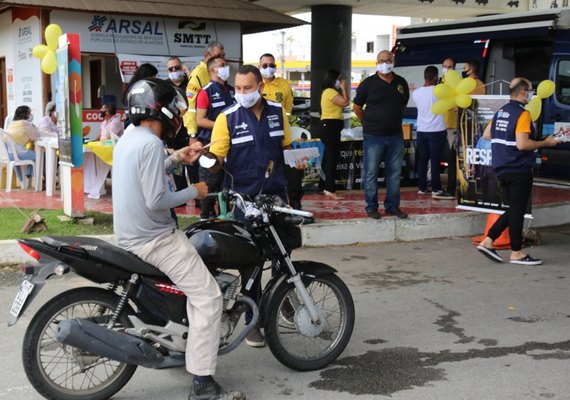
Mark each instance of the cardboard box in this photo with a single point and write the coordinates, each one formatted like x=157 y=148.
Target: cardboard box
x=407 y=129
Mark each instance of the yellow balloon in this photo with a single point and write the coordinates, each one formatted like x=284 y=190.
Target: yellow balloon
x=463 y=100
x=52 y=34
x=535 y=107
x=49 y=62
x=443 y=91
x=451 y=78
x=466 y=85
x=40 y=50
x=545 y=89
x=441 y=106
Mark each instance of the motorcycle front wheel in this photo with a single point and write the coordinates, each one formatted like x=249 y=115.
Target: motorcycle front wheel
x=61 y=372
x=294 y=339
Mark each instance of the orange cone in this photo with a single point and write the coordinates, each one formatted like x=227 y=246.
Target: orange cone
x=503 y=242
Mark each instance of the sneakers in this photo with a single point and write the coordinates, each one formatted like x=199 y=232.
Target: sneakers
x=443 y=196
x=255 y=338
x=211 y=390
x=423 y=191
x=491 y=254
x=526 y=260
x=373 y=213
x=437 y=193
x=397 y=213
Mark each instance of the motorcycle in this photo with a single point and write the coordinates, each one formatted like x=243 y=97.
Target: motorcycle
x=86 y=343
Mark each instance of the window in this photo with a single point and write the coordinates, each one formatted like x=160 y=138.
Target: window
x=370 y=47
x=563 y=81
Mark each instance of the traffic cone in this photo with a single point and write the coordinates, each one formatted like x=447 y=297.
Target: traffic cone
x=503 y=242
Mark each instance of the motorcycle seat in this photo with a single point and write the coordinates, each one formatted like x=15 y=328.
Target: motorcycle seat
x=106 y=252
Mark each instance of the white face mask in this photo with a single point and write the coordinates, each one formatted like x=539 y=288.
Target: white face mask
x=223 y=72
x=337 y=84
x=529 y=96
x=444 y=70
x=176 y=75
x=385 y=68
x=30 y=118
x=247 y=100
x=268 y=72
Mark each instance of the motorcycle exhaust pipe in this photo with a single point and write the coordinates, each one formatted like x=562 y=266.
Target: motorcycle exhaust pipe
x=98 y=340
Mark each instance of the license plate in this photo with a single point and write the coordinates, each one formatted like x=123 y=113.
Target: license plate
x=26 y=287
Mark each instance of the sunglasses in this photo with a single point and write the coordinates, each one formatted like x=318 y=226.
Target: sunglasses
x=175 y=68
x=272 y=65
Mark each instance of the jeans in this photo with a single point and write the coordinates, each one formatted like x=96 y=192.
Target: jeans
x=517 y=188
x=378 y=149
x=24 y=155
x=430 y=147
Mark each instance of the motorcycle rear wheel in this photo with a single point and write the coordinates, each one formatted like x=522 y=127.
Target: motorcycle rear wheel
x=62 y=372
x=290 y=337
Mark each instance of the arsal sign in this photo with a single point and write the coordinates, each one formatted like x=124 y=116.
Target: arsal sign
x=123 y=34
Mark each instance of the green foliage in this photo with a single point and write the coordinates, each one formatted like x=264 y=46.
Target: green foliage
x=12 y=221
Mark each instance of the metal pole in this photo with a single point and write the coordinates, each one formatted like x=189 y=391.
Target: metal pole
x=283 y=55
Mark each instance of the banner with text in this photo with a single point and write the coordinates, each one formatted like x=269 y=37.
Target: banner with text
x=477 y=183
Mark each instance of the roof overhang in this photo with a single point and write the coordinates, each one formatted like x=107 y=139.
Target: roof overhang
x=253 y=18
x=437 y=9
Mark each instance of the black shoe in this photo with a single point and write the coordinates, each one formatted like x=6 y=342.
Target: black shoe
x=491 y=254
x=444 y=196
x=526 y=260
x=210 y=390
x=398 y=213
x=373 y=213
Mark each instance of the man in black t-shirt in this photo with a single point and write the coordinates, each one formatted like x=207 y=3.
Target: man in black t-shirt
x=385 y=95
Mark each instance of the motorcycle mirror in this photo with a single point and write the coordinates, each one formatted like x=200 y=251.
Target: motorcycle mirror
x=208 y=160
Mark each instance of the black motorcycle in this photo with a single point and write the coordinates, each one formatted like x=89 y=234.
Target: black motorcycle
x=87 y=342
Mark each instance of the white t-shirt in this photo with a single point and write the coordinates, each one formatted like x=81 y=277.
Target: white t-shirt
x=427 y=121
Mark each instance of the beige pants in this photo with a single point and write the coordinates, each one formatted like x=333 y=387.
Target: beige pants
x=174 y=255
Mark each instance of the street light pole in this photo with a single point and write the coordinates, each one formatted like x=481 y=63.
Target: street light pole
x=283 y=54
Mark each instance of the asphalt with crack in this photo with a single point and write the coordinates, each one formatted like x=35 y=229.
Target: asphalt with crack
x=435 y=320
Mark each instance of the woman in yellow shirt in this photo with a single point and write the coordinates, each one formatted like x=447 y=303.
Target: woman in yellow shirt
x=24 y=133
x=333 y=99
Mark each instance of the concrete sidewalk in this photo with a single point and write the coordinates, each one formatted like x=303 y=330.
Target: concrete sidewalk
x=387 y=229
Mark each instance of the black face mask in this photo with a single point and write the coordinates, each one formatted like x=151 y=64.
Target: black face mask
x=103 y=114
x=465 y=74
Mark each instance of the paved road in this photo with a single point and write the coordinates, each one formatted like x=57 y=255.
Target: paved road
x=435 y=320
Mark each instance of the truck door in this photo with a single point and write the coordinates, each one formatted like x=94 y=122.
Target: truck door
x=555 y=162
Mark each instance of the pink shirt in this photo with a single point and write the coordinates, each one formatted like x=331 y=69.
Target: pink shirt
x=112 y=125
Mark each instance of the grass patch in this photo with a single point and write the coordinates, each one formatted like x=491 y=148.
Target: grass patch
x=12 y=221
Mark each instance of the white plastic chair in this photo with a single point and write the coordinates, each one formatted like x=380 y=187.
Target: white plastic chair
x=8 y=120
x=114 y=138
x=6 y=142
x=297 y=132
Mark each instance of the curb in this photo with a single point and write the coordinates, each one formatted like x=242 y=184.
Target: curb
x=386 y=229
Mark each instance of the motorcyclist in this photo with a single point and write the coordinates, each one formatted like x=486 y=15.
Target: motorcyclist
x=145 y=223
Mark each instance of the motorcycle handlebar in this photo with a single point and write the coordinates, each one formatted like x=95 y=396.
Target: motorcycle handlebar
x=292 y=211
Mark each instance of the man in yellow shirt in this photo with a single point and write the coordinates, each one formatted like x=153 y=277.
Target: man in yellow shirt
x=245 y=138
x=275 y=88
x=279 y=90
x=199 y=78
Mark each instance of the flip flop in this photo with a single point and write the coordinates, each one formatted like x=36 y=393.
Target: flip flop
x=526 y=260
x=491 y=254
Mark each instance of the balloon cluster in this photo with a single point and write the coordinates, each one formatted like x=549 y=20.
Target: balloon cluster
x=454 y=91
x=47 y=53
x=545 y=89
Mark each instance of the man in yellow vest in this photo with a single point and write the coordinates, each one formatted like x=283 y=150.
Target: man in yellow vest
x=279 y=90
x=199 y=78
